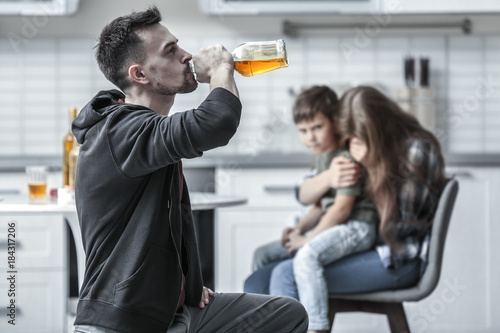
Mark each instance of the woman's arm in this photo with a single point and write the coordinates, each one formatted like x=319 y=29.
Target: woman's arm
x=342 y=173
x=313 y=188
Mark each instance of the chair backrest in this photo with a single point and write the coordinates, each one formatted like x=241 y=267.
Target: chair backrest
x=441 y=221
x=430 y=278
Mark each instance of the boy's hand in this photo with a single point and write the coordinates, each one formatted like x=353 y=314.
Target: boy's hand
x=343 y=172
x=285 y=235
x=295 y=241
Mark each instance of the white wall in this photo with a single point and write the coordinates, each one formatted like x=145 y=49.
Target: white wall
x=43 y=77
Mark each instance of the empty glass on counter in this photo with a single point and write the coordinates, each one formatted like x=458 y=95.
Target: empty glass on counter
x=254 y=58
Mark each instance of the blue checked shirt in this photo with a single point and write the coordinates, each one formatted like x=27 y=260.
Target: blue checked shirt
x=416 y=203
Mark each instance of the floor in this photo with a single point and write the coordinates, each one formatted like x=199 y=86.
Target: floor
x=71 y=319
x=72 y=302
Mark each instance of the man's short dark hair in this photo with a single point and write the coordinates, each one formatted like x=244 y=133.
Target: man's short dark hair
x=119 y=45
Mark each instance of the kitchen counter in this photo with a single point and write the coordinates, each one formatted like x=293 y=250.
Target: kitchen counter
x=17 y=205
x=270 y=159
x=278 y=159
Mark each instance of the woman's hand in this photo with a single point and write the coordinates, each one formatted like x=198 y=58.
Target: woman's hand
x=205 y=296
x=343 y=172
x=295 y=241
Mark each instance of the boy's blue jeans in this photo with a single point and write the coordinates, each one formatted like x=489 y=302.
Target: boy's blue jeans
x=269 y=253
x=327 y=247
x=309 y=262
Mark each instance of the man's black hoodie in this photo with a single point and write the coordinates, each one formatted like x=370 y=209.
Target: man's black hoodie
x=137 y=230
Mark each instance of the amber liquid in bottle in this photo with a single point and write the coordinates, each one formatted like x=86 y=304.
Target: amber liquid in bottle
x=254 y=67
x=73 y=163
x=254 y=58
x=68 y=143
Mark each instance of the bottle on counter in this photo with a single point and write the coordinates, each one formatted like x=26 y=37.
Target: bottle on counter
x=417 y=97
x=73 y=161
x=254 y=58
x=68 y=143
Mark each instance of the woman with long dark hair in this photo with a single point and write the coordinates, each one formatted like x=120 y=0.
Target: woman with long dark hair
x=405 y=167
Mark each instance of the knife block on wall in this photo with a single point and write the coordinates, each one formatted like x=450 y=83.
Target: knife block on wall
x=418 y=101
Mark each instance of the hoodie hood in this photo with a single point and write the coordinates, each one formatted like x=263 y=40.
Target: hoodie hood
x=99 y=107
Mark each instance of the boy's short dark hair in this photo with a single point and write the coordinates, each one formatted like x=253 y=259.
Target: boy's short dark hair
x=119 y=45
x=315 y=100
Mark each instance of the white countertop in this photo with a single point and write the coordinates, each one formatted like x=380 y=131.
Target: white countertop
x=18 y=205
x=199 y=201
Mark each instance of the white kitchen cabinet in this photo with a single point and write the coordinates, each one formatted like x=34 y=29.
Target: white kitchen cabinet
x=440 y=6
x=40 y=302
x=240 y=230
x=40 y=267
x=38 y=241
x=40 y=274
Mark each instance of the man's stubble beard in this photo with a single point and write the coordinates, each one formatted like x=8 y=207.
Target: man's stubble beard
x=186 y=87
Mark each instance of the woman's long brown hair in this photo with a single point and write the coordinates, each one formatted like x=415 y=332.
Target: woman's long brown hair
x=371 y=116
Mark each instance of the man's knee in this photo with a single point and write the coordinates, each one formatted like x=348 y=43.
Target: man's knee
x=296 y=310
x=294 y=307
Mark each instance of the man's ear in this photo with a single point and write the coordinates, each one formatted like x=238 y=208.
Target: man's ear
x=136 y=74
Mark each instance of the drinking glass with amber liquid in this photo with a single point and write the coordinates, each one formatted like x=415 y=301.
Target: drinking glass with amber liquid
x=254 y=58
x=36 y=177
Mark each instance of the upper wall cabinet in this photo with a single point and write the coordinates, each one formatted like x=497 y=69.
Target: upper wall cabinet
x=285 y=7
x=38 y=7
x=357 y=7
x=441 y=6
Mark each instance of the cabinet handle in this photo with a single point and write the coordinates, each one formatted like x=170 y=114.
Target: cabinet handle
x=6 y=311
x=4 y=244
x=462 y=174
x=279 y=188
x=9 y=191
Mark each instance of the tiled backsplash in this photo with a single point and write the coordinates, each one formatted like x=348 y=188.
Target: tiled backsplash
x=44 y=77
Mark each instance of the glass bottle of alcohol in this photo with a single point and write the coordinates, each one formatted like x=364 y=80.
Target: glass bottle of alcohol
x=68 y=143
x=254 y=58
x=73 y=162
